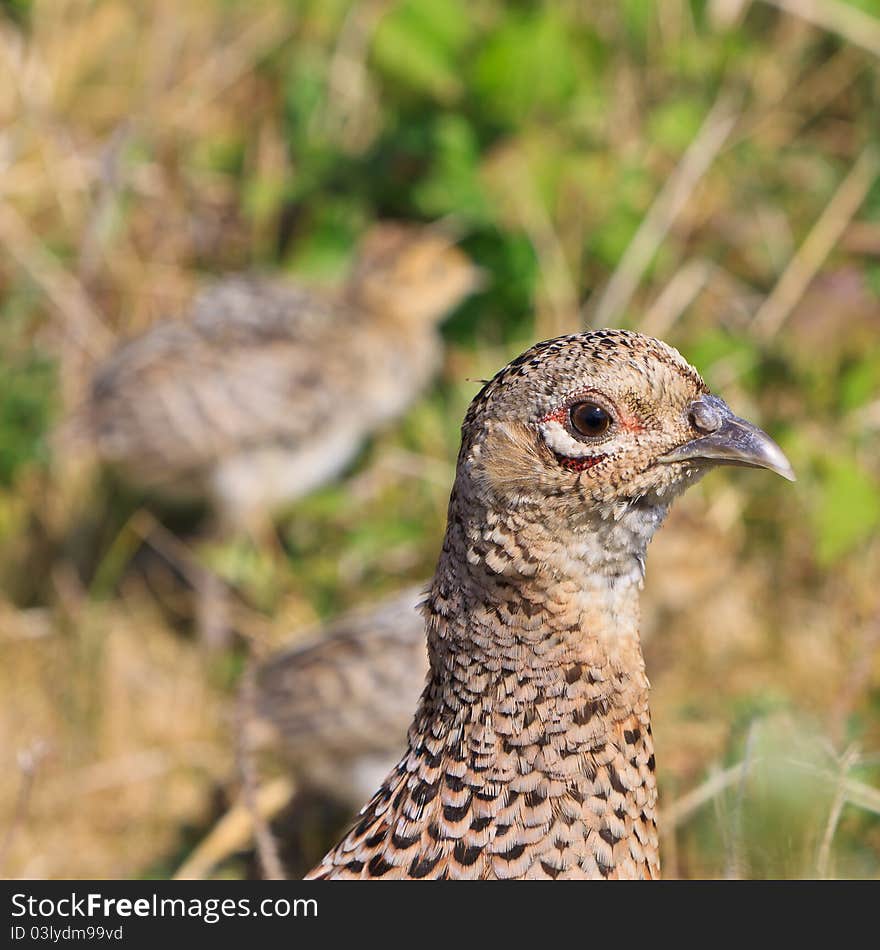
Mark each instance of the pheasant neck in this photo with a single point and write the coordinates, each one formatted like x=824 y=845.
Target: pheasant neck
x=506 y=587
x=538 y=676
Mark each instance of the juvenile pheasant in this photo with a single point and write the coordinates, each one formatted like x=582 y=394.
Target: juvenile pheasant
x=341 y=702
x=240 y=400
x=530 y=755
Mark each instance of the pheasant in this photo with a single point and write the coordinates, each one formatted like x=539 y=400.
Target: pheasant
x=530 y=754
x=235 y=402
x=340 y=702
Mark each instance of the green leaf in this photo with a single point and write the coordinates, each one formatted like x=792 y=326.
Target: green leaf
x=637 y=18
x=674 y=125
x=872 y=275
x=27 y=397
x=848 y=511
x=18 y=11
x=418 y=44
x=859 y=384
x=527 y=65
x=453 y=184
x=325 y=253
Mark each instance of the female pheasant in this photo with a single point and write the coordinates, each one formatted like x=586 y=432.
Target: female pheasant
x=530 y=755
x=235 y=400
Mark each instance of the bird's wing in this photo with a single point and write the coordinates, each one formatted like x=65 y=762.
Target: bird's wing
x=187 y=394
x=353 y=690
x=242 y=307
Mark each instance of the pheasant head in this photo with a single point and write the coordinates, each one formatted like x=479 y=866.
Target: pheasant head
x=411 y=273
x=531 y=752
x=596 y=424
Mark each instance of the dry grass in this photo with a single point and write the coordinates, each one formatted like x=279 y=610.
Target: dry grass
x=132 y=736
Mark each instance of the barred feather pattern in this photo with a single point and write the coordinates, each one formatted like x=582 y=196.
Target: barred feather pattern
x=170 y=405
x=340 y=703
x=531 y=754
x=239 y=399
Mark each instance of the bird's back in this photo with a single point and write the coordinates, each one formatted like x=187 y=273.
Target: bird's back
x=240 y=399
x=340 y=704
x=260 y=366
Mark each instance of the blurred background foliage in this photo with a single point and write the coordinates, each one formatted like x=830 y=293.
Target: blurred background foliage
x=703 y=170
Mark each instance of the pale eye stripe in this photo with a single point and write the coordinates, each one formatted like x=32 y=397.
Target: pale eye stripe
x=560 y=442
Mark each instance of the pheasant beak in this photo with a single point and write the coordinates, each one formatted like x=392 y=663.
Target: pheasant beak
x=729 y=440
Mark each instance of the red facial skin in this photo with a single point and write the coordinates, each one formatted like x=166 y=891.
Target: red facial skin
x=560 y=415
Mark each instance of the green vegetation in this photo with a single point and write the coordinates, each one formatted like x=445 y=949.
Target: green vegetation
x=703 y=171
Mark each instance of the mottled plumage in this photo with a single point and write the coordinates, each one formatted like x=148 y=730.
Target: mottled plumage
x=240 y=401
x=530 y=755
x=340 y=703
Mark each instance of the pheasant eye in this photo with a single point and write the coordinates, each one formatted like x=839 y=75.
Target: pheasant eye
x=589 y=419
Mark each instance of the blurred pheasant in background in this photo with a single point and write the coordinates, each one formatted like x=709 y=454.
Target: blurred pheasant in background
x=266 y=390
x=340 y=703
x=531 y=755
x=240 y=400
